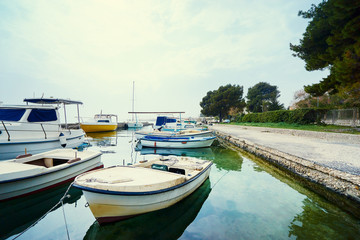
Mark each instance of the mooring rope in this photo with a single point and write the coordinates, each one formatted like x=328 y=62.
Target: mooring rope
x=220 y=179
x=60 y=201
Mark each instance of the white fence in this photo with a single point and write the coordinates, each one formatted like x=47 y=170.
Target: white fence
x=344 y=117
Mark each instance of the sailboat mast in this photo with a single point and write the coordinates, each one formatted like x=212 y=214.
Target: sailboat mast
x=133 y=101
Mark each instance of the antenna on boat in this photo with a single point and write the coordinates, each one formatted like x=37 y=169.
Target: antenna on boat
x=132 y=118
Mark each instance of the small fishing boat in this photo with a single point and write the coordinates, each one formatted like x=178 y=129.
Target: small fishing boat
x=171 y=124
x=179 y=134
x=102 y=123
x=178 y=142
x=29 y=174
x=121 y=192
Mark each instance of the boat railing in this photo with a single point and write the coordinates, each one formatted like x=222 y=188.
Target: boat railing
x=45 y=128
x=5 y=130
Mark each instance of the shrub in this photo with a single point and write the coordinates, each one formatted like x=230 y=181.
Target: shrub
x=299 y=116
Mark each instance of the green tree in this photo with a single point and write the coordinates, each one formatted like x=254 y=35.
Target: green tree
x=219 y=102
x=332 y=40
x=263 y=97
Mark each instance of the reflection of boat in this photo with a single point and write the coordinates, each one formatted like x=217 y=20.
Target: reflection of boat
x=178 y=142
x=18 y=214
x=34 y=128
x=205 y=153
x=103 y=139
x=168 y=223
x=124 y=191
x=102 y=123
x=30 y=174
x=101 y=135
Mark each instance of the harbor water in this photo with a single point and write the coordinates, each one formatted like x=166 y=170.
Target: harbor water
x=244 y=198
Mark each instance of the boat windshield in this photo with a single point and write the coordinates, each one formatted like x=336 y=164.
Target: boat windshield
x=7 y=114
x=105 y=121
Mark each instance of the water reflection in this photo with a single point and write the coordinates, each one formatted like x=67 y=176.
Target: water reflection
x=103 y=139
x=316 y=222
x=226 y=159
x=18 y=214
x=168 y=223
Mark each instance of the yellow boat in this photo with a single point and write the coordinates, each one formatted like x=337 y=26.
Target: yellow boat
x=102 y=123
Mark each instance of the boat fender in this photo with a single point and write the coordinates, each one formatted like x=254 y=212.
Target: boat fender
x=73 y=160
x=62 y=140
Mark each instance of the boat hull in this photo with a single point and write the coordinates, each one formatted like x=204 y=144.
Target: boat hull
x=113 y=207
x=98 y=127
x=177 y=143
x=22 y=186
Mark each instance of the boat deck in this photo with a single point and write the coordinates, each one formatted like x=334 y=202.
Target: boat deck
x=158 y=174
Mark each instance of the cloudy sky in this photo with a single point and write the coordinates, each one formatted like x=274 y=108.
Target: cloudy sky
x=175 y=51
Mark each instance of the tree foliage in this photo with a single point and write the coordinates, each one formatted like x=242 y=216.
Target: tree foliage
x=263 y=97
x=332 y=40
x=219 y=102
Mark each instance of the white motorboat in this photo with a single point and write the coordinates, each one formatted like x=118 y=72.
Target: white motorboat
x=35 y=128
x=121 y=192
x=179 y=142
x=132 y=124
x=33 y=173
x=179 y=134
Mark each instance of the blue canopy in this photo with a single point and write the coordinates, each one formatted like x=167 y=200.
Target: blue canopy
x=50 y=101
x=11 y=114
x=162 y=120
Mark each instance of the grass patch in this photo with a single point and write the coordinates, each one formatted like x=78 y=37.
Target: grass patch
x=309 y=127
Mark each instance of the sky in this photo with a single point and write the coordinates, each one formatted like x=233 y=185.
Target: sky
x=174 y=51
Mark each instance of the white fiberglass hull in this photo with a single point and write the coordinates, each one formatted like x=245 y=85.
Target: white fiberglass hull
x=141 y=134
x=20 y=183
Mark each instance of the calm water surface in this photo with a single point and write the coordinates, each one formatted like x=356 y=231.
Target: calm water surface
x=242 y=199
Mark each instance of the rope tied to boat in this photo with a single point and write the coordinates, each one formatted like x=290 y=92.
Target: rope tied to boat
x=61 y=201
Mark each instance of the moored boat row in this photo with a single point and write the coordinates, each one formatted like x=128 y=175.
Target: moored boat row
x=32 y=144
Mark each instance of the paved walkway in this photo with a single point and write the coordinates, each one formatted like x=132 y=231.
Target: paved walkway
x=334 y=150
